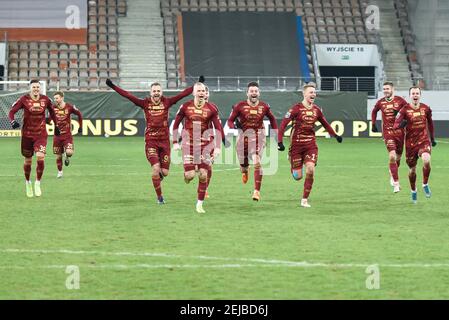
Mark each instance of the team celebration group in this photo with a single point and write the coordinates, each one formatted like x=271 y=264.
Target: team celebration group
x=202 y=135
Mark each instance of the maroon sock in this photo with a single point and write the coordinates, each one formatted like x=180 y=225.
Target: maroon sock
x=307 y=186
x=59 y=164
x=27 y=171
x=202 y=186
x=157 y=185
x=425 y=173
x=40 y=169
x=398 y=162
x=394 y=171
x=257 y=179
x=412 y=179
x=209 y=175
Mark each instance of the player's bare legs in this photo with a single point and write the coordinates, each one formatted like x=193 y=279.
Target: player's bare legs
x=59 y=165
x=308 y=182
x=245 y=173
x=68 y=154
x=394 y=171
x=27 y=170
x=189 y=176
x=297 y=174
x=155 y=177
x=412 y=179
x=209 y=176
x=164 y=172
x=426 y=173
x=257 y=177
x=40 y=156
x=202 y=186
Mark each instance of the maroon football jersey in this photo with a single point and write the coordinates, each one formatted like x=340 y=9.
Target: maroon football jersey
x=419 y=124
x=33 y=115
x=389 y=110
x=197 y=120
x=303 y=123
x=156 y=114
x=251 y=117
x=63 y=119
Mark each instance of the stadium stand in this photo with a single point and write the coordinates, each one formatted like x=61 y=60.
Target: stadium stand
x=336 y=21
x=409 y=42
x=73 y=66
x=86 y=66
x=142 y=52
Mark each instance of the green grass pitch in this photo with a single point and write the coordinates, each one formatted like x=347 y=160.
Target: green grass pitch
x=102 y=217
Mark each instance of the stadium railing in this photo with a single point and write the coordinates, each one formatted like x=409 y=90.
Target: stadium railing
x=270 y=83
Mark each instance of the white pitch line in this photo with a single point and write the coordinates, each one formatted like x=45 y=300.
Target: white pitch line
x=251 y=262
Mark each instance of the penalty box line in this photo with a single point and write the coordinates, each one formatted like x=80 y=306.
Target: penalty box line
x=248 y=262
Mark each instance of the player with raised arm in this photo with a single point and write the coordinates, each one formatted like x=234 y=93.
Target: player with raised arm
x=196 y=141
x=34 y=133
x=157 y=136
x=390 y=105
x=416 y=117
x=251 y=140
x=303 y=148
x=63 y=144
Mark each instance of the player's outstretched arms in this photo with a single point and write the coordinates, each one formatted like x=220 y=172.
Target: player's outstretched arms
x=339 y=138
x=15 y=124
x=281 y=146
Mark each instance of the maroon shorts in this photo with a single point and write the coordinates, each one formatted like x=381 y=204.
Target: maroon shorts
x=158 y=151
x=61 y=143
x=394 y=142
x=248 y=144
x=200 y=157
x=414 y=152
x=31 y=145
x=300 y=154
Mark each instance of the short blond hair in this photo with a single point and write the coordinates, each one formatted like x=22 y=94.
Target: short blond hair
x=309 y=85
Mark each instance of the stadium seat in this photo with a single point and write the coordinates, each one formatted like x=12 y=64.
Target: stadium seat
x=352 y=39
x=83 y=73
x=13 y=75
x=222 y=5
x=83 y=84
x=13 y=46
x=93 y=83
x=289 y=6
x=342 y=38
x=241 y=5
x=270 y=6
x=53 y=82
